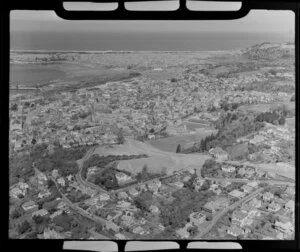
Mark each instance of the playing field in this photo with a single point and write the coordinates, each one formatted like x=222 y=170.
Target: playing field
x=156 y=160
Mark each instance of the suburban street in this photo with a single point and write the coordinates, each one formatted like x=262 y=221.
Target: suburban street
x=224 y=211
x=80 y=210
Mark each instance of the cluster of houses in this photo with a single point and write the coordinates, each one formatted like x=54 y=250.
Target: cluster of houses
x=242 y=219
x=84 y=117
x=19 y=189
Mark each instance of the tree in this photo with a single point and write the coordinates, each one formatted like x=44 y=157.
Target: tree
x=31 y=235
x=292 y=98
x=120 y=136
x=15 y=214
x=193 y=231
x=209 y=217
x=98 y=227
x=25 y=226
x=144 y=201
x=14 y=107
x=38 y=219
x=271 y=218
x=178 y=149
x=164 y=170
x=281 y=121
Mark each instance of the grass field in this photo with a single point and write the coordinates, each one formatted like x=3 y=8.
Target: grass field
x=169 y=144
x=157 y=158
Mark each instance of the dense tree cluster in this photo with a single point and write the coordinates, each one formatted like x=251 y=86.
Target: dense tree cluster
x=209 y=168
x=145 y=175
x=106 y=179
x=24 y=227
x=20 y=167
x=77 y=196
x=229 y=130
x=178 y=149
x=176 y=214
x=225 y=105
x=271 y=117
x=144 y=201
x=64 y=160
x=292 y=98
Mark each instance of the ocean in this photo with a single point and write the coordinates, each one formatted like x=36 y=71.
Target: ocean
x=140 y=41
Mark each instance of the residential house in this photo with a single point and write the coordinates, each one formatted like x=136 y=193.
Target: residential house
x=284 y=226
x=253 y=184
x=273 y=207
x=239 y=217
x=104 y=196
x=224 y=184
x=52 y=234
x=122 y=178
x=260 y=174
x=41 y=212
x=267 y=196
x=255 y=203
x=186 y=178
x=151 y=136
x=15 y=192
x=197 y=218
x=61 y=181
x=70 y=177
x=127 y=220
x=272 y=175
x=30 y=206
x=214 y=206
x=218 y=191
x=237 y=194
x=235 y=231
x=112 y=226
x=257 y=139
x=61 y=205
x=41 y=177
x=138 y=230
x=44 y=194
x=228 y=168
x=55 y=173
x=178 y=184
x=154 y=185
x=198 y=182
x=290 y=191
x=252 y=212
x=92 y=201
x=219 y=154
x=133 y=192
x=249 y=172
x=120 y=236
x=56 y=213
x=161 y=227
x=290 y=205
x=23 y=186
x=122 y=195
x=154 y=209
x=241 y=171
x=183 y=233
x=246 y=188
x=123 y=204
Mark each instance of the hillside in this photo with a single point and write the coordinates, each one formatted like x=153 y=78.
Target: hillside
x=270 y=51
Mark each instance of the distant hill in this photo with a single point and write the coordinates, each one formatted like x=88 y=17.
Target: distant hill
x=270 y=51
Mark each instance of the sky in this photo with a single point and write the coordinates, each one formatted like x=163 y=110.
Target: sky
x=256 y=21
